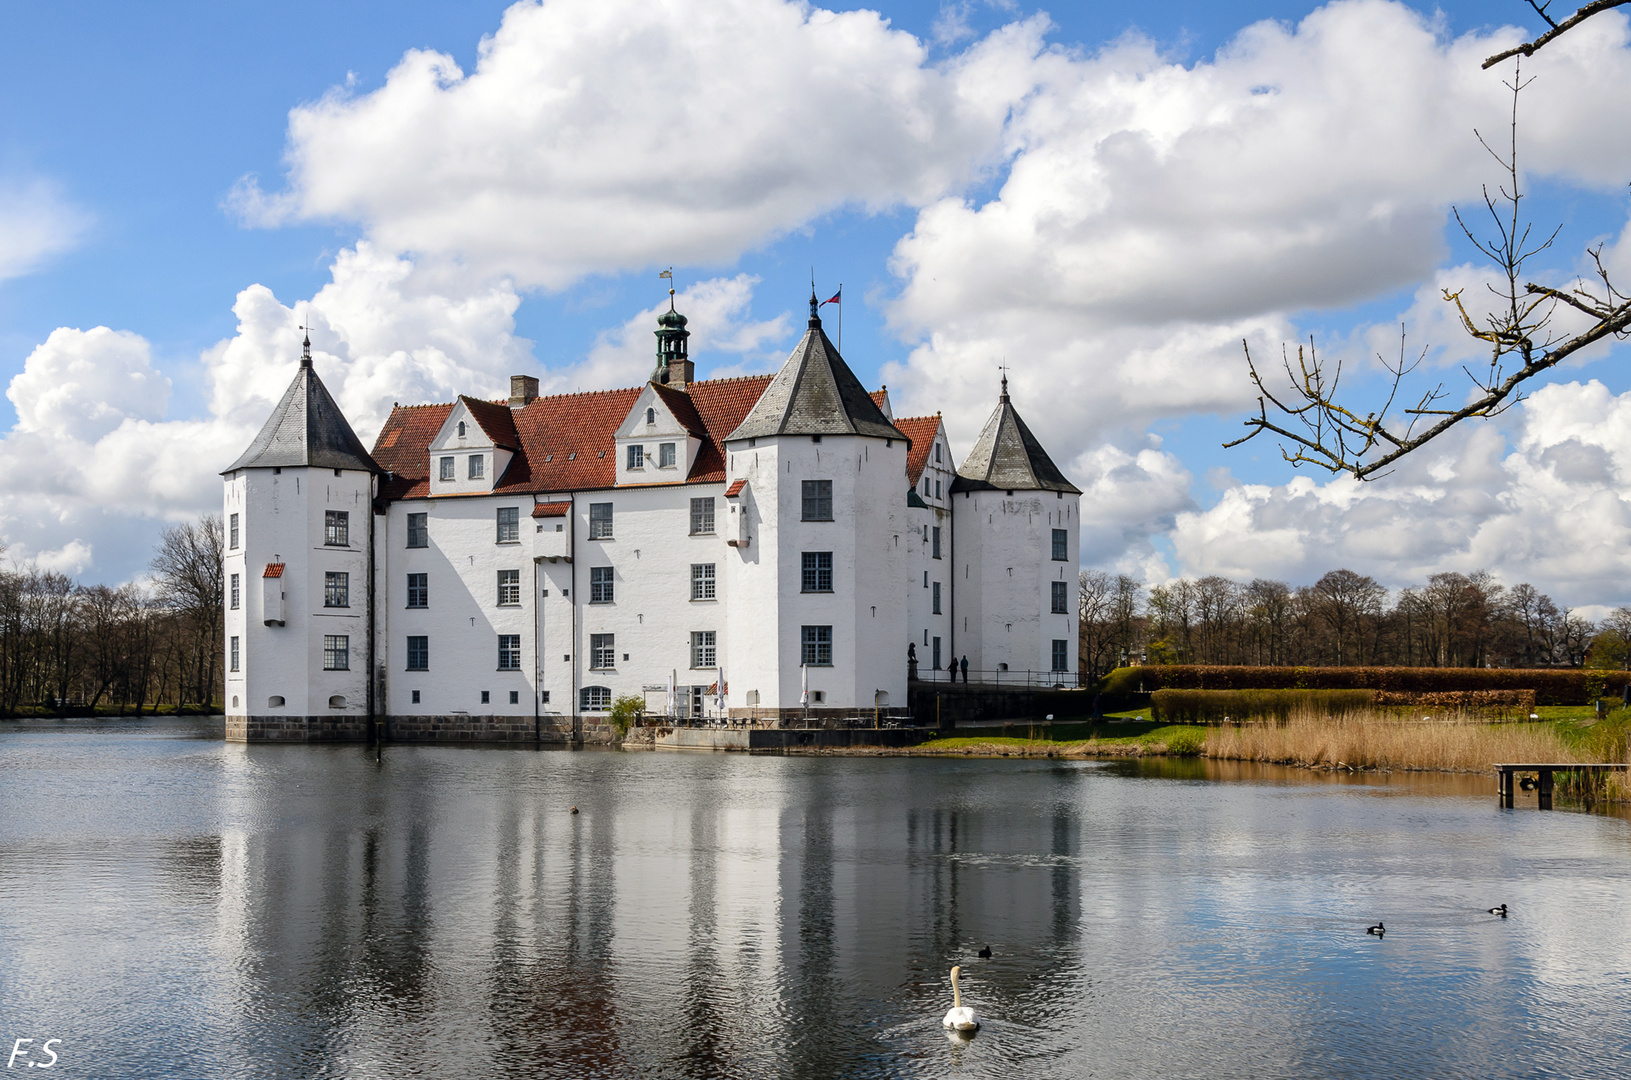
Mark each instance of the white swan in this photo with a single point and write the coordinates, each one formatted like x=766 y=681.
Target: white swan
x=960 y=1017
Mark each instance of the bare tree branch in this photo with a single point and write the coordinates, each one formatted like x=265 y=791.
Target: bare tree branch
x=1586 y=11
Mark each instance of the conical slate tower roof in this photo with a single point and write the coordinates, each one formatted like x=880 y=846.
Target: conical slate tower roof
x=815 y=393
x=1008 y=456
x=306 y=428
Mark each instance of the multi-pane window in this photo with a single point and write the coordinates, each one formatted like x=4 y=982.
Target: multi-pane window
x=816 y=646
x=1061 y=541
x=602 y=650
x=1061 y=597
x=937 y=654
x=594 y=699
x=702 y=515
x=817 y=571
x=1061 y=655
x=418 y=653
x=935 y=598
x=934 y=533
x=336 y=652
x=509 y=652
x=600 y=521
x=702 y=581
x=418 y=531
x=446 y=469
x=509 y=524
x=509 y=587
x=600 y=584
x=233 y=657
x=665 y=455
x=703 y=653
x=818 y=500
x=637 y=457
x=235 y=592
x=336 y=590
x=419 y=590
x=477 y=466
x=336 y=528
x=232 y=531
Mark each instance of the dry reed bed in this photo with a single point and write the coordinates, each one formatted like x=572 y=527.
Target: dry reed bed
x=1371 y=740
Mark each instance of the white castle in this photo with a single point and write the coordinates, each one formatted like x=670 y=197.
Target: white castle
x=766 y=547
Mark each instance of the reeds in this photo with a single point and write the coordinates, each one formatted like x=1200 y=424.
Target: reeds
x=1378 y=740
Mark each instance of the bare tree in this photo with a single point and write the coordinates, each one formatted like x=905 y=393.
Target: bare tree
x=187 y=571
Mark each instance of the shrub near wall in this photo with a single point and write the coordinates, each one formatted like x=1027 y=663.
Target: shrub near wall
x=1551 y=686
x=1215 y=706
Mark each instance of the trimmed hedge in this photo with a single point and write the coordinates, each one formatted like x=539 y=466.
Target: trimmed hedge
x=1215 y=706
x=1552 y=686
x=1497 y=701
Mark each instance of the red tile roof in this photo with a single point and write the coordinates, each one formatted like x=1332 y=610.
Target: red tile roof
x=921 y=430
x=563 y=438
x=735 y=489
x=551 y=509
x=495 y=419
x=273 y=569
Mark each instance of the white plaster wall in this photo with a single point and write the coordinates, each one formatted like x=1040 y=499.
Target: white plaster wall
x=923 y=570
x=1005 y=565
x=449 y=443
x=752 y=575
x=664 y=428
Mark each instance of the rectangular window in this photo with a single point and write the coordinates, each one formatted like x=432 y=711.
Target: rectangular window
x=416 y=697
x=703 y=654
x=1061 y=541
x=935 y=598
x=446 y=468
x=702 y=515
x=934 y=533
x=234 y=657
x=509 y=524
x=336 y=652
x=515 y=697
x=937 y=451
x=418 y=531
x=602 y=651
x=1061 y=597
x=1061 y=657
x=419 y=590
x=600 y=521
x=665 y=455
x=509 y=587
x=486 y=696
x=336 y=528
x=816 y=646
x=937 y=654
x=937 y=489
x=232 y=531
x=477 y=466
x=637 y=457
x=235 y=592
x=594 y=699
x=509 y=652
x=818 y=500
x=702 y=581
x=336 y=590
x=418 y=653
x=817 y=571
x=600 y=584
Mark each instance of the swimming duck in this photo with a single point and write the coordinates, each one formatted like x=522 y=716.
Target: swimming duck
x=1501 y=911
x=1378 y=930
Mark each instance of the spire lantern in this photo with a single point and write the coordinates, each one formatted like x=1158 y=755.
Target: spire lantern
x=305 y=349
x=674 y=367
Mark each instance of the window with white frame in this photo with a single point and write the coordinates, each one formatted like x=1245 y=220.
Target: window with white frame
x=509 y=587
x=445 y=469
x=594 y=699
x=234 y=653
x=1061 y=654
x=666 y=457
x=817 y=572
x=637 y=457
x=703 y=653
x=600 y=521
x=602 y=651
x=336 y=589
x=702 y=515
x=1061 y=597
x=478 y=466
x=232 y=531
x=336 y=652
x=509 y=524
x=419 y=590
x=702 y=581
x=418 y=531
x=815 y=646
x=817 y=500
x=509 y=652
x=418 y=653
x=235 y=592
x=600 y=584
x=336 y=528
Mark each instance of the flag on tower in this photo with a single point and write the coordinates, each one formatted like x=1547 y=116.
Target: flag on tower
x=835 y=297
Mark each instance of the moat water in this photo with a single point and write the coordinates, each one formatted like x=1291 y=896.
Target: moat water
x=174 y=906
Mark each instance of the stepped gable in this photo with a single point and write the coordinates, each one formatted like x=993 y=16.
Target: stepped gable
x=1007 y=456
x=564 y=442
x=921 y=430
x=306 y=429
x=815 y=393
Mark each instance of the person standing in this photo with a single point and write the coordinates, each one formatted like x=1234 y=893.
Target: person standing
x=965 y=669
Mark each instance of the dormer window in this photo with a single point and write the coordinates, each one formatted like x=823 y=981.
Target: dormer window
x=651 y=416
x=446 y=469
x=637 y=457
x=461 y=429
x=477 y=469
x=665 y=455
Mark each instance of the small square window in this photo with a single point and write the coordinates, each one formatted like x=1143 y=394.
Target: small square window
x=336 y=528
x=666 y=456
x=418 y=531
x=445 y=468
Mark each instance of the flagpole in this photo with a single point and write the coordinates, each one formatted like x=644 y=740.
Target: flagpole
x=840 y=318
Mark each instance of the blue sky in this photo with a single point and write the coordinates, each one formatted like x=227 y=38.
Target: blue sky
x=153 y=155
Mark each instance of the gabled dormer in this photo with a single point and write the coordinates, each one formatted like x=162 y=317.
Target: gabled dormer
x=469 y=454
x=658 y=442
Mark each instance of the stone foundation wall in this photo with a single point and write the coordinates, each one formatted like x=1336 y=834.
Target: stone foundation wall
x=343 y=728
x=456 y=728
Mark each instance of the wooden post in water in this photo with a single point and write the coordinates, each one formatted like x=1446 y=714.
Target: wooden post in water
x=1545 y=789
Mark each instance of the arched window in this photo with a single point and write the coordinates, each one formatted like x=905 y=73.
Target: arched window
x=461 y=429
x=337 y=701
x=275 y=701
x=651 y=416
x=594 y=699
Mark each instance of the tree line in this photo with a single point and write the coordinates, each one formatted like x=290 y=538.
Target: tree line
x=71 y=646
x=1343 y=619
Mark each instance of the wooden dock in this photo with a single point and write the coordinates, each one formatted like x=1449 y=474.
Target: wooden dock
x=1506 y=777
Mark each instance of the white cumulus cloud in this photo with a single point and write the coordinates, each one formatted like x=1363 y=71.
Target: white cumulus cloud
x=36 y=222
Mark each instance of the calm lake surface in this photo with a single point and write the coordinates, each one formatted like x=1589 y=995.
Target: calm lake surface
x=174 y=906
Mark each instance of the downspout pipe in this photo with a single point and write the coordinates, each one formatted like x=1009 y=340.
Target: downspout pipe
x=374 y=727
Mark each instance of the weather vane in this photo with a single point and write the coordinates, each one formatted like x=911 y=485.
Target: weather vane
x=669 y=274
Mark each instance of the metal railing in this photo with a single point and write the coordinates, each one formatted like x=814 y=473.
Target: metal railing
x=1000 y=677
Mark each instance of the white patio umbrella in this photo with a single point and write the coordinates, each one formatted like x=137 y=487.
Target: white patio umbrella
x=673 y=694
x=719 y=691
x=804 y=698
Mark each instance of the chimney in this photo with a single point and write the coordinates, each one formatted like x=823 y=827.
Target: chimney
x=523 y=388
